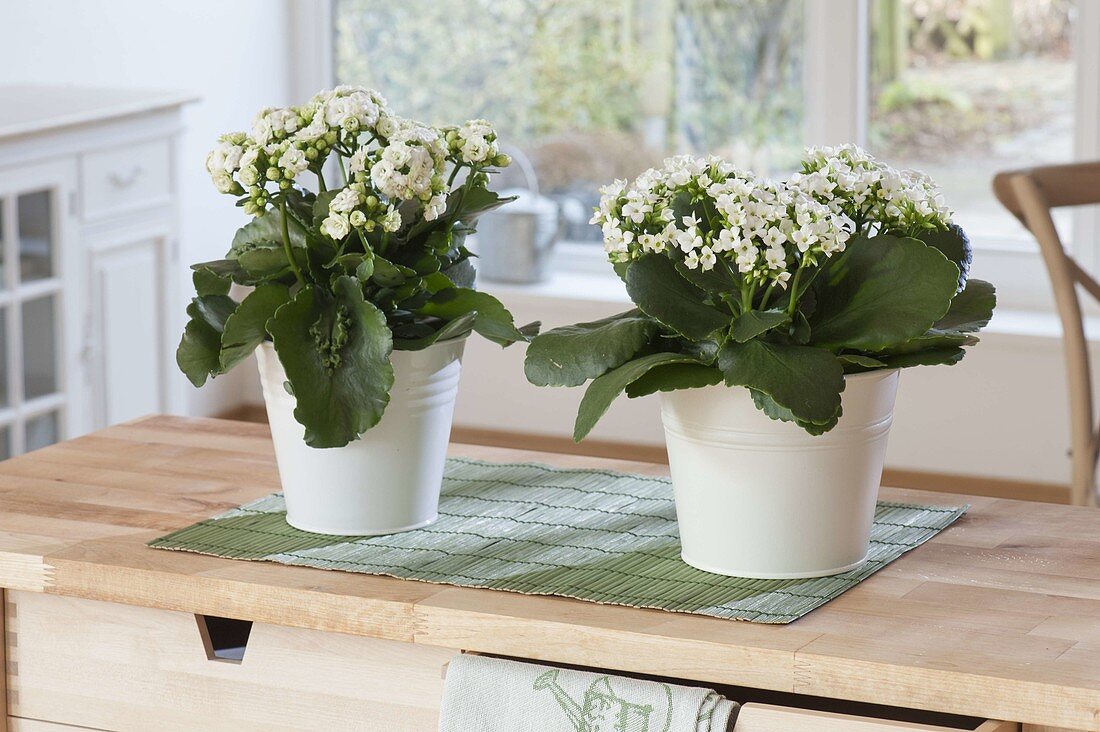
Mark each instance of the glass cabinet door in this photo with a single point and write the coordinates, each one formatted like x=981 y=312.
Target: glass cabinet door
x=32 y=394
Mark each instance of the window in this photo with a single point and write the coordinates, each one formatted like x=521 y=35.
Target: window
x=590 y=91
x=964 y=88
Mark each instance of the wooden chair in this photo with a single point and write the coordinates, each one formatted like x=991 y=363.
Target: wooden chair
x=1030 y=195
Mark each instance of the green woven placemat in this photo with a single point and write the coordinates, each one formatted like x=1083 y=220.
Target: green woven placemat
x=588 y=534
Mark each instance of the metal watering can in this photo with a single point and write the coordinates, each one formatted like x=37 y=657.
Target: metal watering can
x=515 y=242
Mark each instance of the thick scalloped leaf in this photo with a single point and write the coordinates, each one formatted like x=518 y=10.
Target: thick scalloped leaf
x=882 y=292
x=971 y=310
x=805 y=380
x=660 y=292
x=929 y=357
x=213 y=309
x=672 y=377
x=573 y=354
x=955 y=245
x=209 y=282
x=604 y=390
x=768 y=406
x=265 y=231
x=197 y=354
x=246 y=328
x=342 y=389
x=457 y=328
x=493 y=319
x=757 y=322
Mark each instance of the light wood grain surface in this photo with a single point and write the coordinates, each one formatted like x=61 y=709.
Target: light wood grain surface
x=997 y=617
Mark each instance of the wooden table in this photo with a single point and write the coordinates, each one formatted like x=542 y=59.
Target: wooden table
x=998 y=617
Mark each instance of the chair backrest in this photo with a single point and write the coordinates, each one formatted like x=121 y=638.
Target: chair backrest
x=1031 y=195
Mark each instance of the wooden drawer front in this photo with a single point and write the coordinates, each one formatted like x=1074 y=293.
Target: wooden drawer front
x=125 y=178
x=115 y=667
x=767 y=718
x=18 y=724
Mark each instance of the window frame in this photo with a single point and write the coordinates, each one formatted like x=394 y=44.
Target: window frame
x=836 y=103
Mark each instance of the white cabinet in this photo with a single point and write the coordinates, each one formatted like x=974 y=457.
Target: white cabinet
x=87 y=254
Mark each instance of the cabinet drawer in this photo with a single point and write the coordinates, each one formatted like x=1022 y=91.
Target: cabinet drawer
x=125 y=178
x=769 y=718
x=114 y=667
x=18 y=724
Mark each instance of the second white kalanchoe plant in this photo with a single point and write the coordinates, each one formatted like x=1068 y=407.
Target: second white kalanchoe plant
x=349 y=267
x=779 y=287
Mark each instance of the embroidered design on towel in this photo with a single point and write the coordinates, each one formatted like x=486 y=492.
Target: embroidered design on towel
x=604 y=710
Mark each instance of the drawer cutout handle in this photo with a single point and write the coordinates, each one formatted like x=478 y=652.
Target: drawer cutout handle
x=120 y=180
x=223 y=639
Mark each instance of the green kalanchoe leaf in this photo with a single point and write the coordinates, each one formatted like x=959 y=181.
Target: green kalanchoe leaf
x=661 y=293
x=948 y=356
x=493 y=319
x=335 y=349
x=674 y=376
x=955 y=245
x=460 y=327
x=768 y=406
x=246 y=328
x=266 y=232
x=214 y=310
x=573 y=354
x=209 y=282
x=230 y=268
x=881 y=292
x=462 y=273
x=603 y=390
x=197 y=354
x=805 y=380
x=755 y=323
x=859 y=362
x=971 y=310
x=716 y=279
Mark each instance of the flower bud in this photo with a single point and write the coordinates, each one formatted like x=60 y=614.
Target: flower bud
x=273 y=173
x=502 y=160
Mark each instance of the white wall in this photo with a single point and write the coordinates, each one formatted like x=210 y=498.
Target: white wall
x=232 y=54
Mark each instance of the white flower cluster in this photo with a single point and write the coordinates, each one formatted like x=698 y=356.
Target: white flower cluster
x=475 y=143
x=411 y=164
x=354 y=208
x=389 y=159
x=706 y=213
x=874 y=195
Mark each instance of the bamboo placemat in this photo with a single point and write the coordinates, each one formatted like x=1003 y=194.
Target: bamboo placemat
x=588 y=534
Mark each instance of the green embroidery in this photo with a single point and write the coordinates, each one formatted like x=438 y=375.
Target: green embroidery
x=604 y=710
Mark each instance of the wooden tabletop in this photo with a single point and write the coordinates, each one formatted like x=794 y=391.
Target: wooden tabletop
x=998 y=616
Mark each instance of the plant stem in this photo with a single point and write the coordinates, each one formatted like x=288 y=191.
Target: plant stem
x=454 y=174
x=286 y=244
x=321 y=181
x=767 y=296
x=793 y=304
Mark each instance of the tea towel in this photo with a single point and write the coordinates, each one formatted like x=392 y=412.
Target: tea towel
x=484 y=694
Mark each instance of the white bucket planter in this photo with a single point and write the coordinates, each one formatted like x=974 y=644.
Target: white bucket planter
x=760 y=498
x=389 y=479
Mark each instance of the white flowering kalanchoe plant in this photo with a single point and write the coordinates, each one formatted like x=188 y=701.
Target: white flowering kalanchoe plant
x=779 y=287
x=345 y=271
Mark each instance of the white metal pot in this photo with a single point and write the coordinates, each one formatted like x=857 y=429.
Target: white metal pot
x=760 y=498
x=389 y=479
